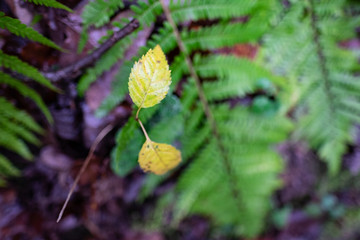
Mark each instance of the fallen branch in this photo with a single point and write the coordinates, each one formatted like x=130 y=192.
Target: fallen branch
x=75 y=70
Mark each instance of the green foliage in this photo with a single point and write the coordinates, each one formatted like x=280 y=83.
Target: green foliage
x=50 y=3
x=237 y=77
x=254 y=162
x=17 y=128
x=97 y=13
x=218 y=35
x=15 y=64
x=305 y=47
x=210 y=9
x=247 y=138
x=146 y=13
x=16 y=27
x=130 y=139
x=6 y=168
x=301 y=68
x=26 y=92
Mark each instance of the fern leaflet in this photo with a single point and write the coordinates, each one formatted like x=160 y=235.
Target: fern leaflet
x=15 y=64
x=6 y=168
x=98 y=12
x=50 y=3
x=16 y=27
x=327 y=88
x=27 y=92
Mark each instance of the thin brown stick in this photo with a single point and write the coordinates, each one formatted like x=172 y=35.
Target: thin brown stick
x=98 y=139
x=204 y=103
x=75 y=70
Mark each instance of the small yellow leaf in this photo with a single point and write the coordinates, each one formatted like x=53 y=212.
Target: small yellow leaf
x=158 y=157
x=150 y=79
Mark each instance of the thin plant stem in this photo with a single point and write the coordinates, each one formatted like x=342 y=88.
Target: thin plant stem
x=204 y=103
x=321 y=56
x=98 y=139
x=143 y=129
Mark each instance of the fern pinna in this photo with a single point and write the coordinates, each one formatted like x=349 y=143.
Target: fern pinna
x=249 y=175
x=308 y=54
x=17 y=128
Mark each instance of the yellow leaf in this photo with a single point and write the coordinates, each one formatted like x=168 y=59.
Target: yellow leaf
x=150 y=79
x=158 y=157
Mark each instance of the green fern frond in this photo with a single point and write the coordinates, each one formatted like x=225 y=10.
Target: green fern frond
x=189 y=95
x=236 y=76
x=11 y=112
x=178 y=68
x=16 y=126
x=194 y=118
x=196 y=132
x=220 y=35
x=15 y=64
x=204 y=169
x=50 y=3
x=209 y=9
x=18 y=130
x=99 y=12
x=324 y=72
x=222 y=66
x=16 y=27
x=198 y=9
x=194 y=141
x=10 y=141
x=164 y=38
x=7 y=168
x=147 y=12
x=27 y=92
x=248 y=151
